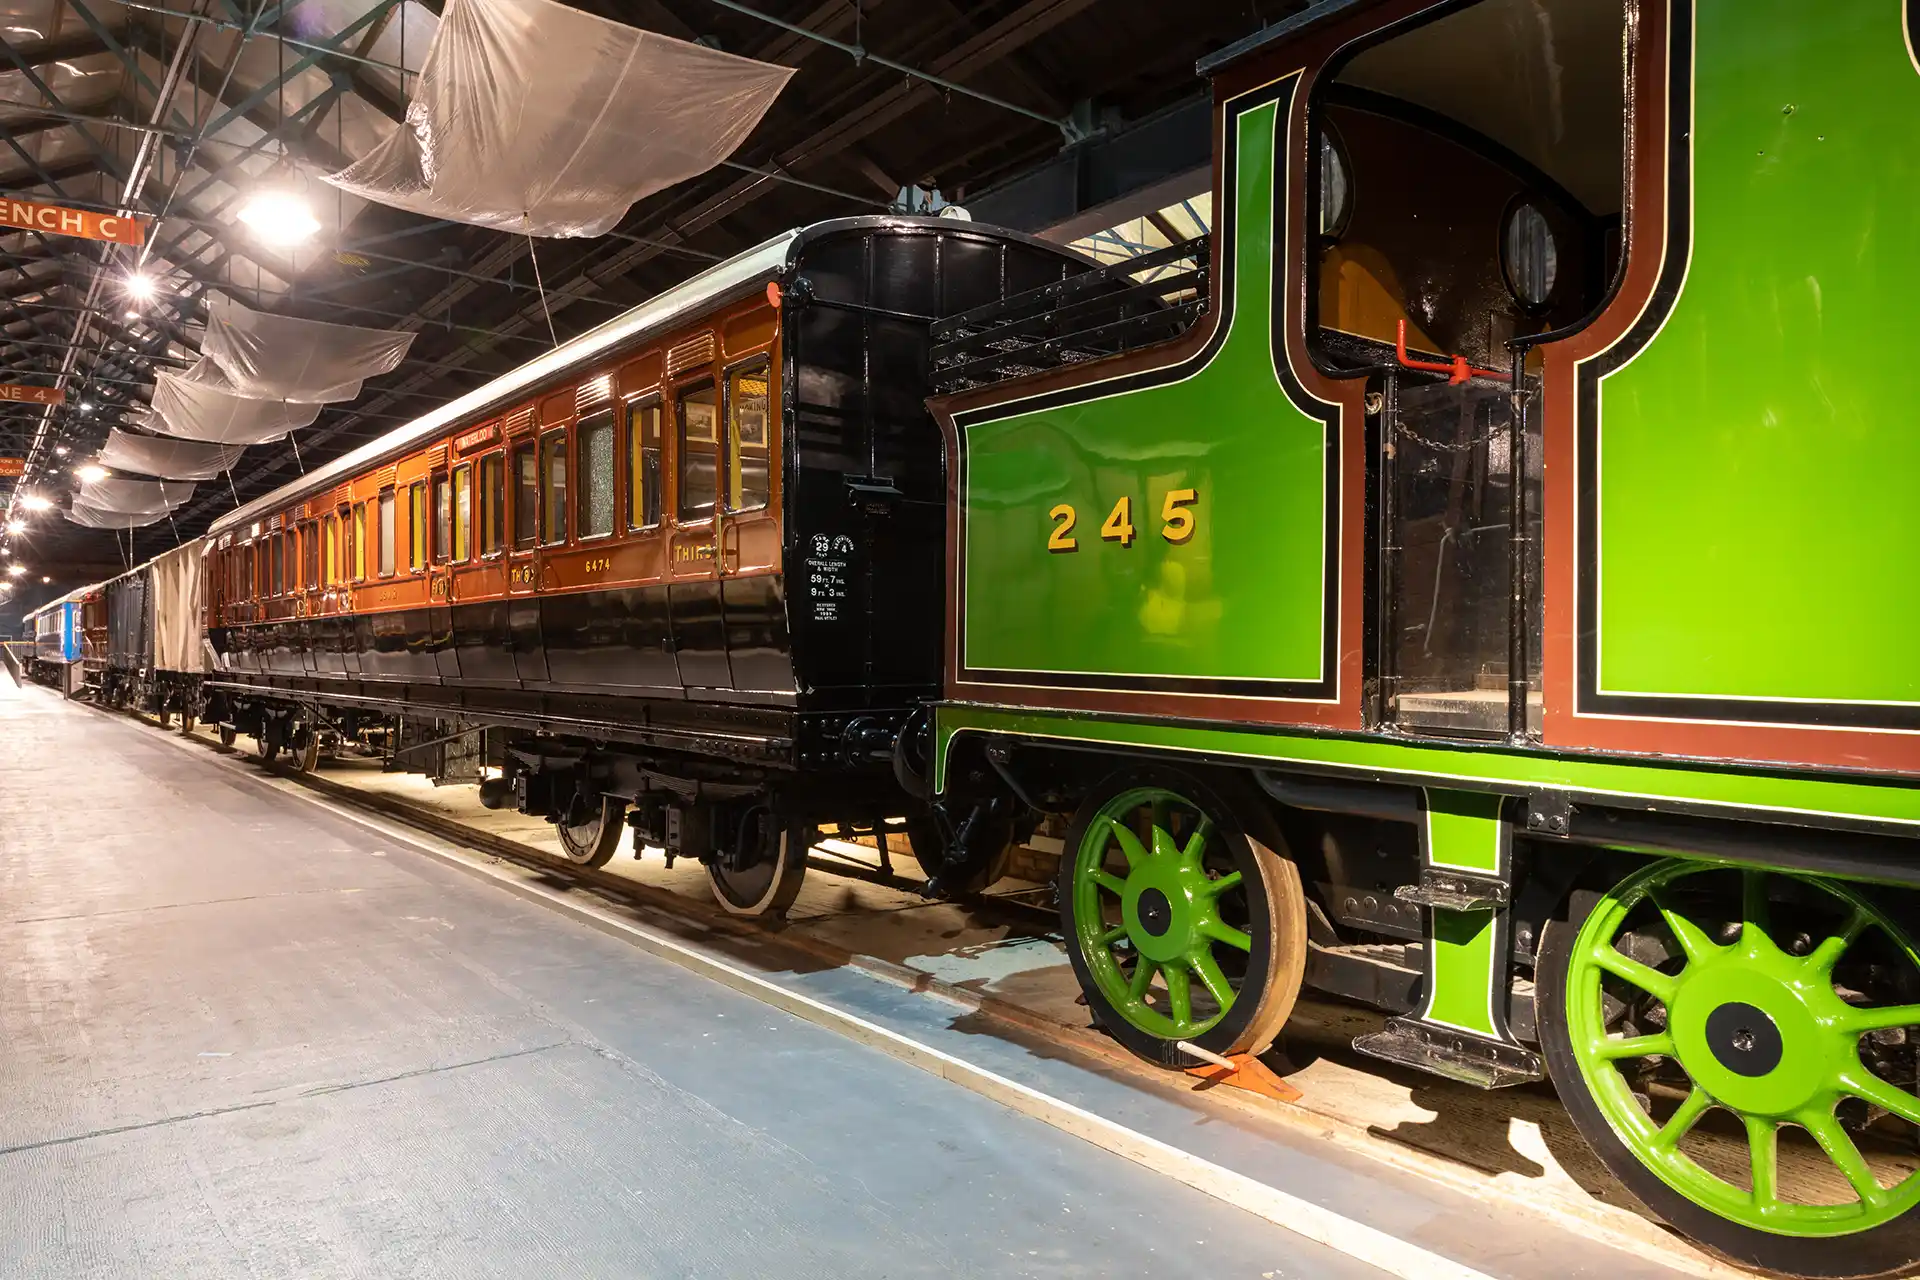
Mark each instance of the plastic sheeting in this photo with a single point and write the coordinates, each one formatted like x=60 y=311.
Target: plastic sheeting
x=273 y=357
x=168 y=459
x=198 y=405
x=94 y=518
x=174 y=599
x=530 y=116
x=117 y=495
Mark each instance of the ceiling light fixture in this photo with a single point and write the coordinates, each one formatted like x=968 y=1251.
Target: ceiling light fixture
x=16 y=526
x=139 y=286
x=15 y=570
x=45 y=579
x=59 y=451
x=90 y=471
x=36 y=502
x=279 y=218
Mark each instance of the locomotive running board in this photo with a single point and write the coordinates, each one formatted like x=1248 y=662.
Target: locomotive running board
x=1485 y=1064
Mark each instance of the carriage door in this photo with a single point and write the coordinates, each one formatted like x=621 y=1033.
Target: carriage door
x=523 y=560
x=749 y=550
x=693 y=558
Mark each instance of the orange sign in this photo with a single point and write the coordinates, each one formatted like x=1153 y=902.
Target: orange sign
x=477 y=437
x=21 y=394
x=11 y=468
x=60 y=221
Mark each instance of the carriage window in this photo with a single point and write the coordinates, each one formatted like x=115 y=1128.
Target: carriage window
x=357 y=550
x=643 y=466
x=595 y=436
x=493 y=503
x=749 y=457
x=698 y=473
x=461 y=526
x=386 y=532
x=442 y=519
x=553 y=473
x=417 y=526
x=311 y=533
x=277 y=560
x=246 y=572
x=526 y=497
x=331 y=539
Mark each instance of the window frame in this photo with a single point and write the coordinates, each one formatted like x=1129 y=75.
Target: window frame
x=310 y=556
x=562 y=437
x=529 y=448
x=386 y=532
x=461 y=541
x=357 y=543
x=417 y=525
x=498 y=457
x=329 y=549
x=634 y=408
x=578 y=478
x=729 y=464
x=705 y=382
x=440 y=529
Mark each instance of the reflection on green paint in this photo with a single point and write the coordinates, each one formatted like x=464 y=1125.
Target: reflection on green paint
x=1759 y=467
x=1242 y=596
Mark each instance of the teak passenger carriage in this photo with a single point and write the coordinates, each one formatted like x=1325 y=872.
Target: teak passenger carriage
x=1474 y=582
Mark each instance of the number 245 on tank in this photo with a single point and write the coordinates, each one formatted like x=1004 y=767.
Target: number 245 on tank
x=1178 y=521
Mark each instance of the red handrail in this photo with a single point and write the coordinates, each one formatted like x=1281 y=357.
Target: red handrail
x=1458 y=368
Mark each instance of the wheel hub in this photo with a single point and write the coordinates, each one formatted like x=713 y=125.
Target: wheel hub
x=1156 y=913
x=1159 y=905
x=1744 y=1039
x=1751 y=1030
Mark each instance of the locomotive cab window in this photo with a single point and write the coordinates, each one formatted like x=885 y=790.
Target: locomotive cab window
x=749 y=436
x=699 y=468
x=644 y=466
x=594 y=436
x=526 y=497
x=553 y=486
x=460 y=528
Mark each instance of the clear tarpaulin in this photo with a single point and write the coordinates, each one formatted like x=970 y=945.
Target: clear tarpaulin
x=534 y=117
x=168 y=459
x=117 y=495
x=272 y=357
x=93 y=518
x=194 y=406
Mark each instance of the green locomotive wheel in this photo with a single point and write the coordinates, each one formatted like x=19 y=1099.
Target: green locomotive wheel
x=1180 y=925
x=1679 y=1030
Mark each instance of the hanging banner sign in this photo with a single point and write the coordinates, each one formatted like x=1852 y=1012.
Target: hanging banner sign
x=17 y=393
x=57 y=220
x=12 y=468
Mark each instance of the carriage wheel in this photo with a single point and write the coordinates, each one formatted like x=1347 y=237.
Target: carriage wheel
x=186 y=724
x=769 y=886
x=1768 y=1011
x=590 y=835
x=266 y=747
x=228 y=734
x=306 y=755
x=164 y=716
x=1180 y=925
x=924 y=835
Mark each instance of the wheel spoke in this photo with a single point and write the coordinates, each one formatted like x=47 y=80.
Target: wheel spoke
x=1212 y=978
x=1142 y=978
x=1107 y=880
x=1197 y=843
x=1681 y=1122
x=1112 y=935
x=1633 y=1046
x=1828 y=953
x=1693 y=940
x=1895 y=1015
x=1214 y=888
x=1763 y=1147
x=1755 y=914
x=1179 y=995
x=1868 y=1087
x=1130 y=846
x=1833 y=1140
x=1627 y=969
x=1220 y=931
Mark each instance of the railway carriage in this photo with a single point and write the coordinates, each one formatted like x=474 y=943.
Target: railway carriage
x=56 y=655
x=1487 y=610
x=682 y=571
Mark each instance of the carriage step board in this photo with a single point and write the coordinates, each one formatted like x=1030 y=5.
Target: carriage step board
x=1474 y=1060
x=1454 y=891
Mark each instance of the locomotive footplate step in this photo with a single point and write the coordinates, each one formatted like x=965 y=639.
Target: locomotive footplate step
x=1470 y=1059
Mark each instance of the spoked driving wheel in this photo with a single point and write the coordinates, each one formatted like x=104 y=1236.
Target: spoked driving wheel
x=1180 y=925
x=1735 y=1045
x=770 y=884
x=590 y=834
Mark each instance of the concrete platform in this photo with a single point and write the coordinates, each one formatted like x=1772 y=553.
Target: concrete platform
x=241 y=1034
